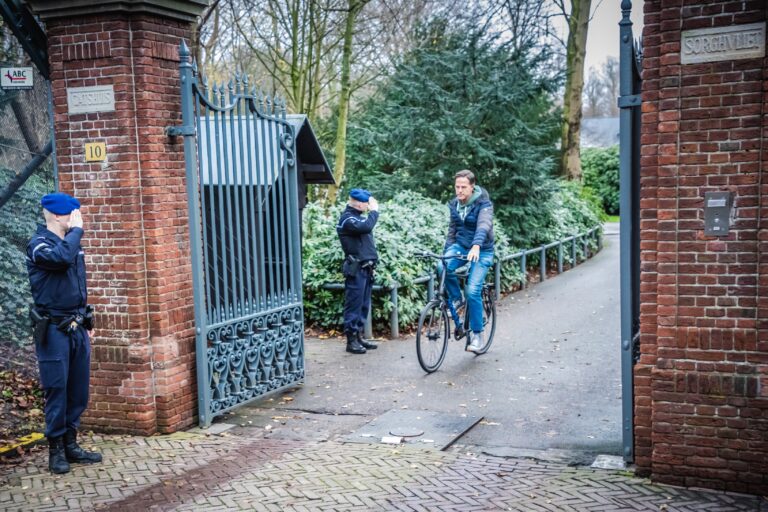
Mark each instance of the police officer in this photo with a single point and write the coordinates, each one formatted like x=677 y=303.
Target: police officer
x=360 y=257
x=56 y=266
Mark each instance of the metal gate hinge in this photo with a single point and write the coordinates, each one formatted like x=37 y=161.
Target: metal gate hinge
x=175 y=131
x=632 y=100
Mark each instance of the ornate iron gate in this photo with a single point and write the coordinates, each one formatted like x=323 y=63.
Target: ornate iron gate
x=629 y=163
x=244 y=232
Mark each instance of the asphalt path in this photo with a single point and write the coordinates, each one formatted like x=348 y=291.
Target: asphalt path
x=551 y=383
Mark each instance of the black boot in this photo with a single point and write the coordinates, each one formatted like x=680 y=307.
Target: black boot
x=353 y=345
x=75 y=453
x=57 y=459
x=365 y=343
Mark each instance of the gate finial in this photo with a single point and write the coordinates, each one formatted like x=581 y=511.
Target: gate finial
x=626 y=8
x=184 y=52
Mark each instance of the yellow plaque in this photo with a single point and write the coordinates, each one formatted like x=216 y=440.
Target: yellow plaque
x=95 y=151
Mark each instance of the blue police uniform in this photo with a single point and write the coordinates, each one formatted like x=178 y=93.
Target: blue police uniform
x=356 y=236
x=56 y=270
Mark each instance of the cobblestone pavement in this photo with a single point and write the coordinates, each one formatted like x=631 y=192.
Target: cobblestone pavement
x=249 y=470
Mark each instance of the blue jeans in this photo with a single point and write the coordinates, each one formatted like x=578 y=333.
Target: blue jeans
x=473 y=291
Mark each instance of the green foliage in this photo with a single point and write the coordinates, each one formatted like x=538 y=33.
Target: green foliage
x=573 y=210
x=408 y=223
x=462 y=99
x=600 y=167
x=23 y=213
x=570 y=210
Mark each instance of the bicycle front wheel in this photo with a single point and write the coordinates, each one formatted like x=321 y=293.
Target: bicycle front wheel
x=489 y=319
x=432 y=336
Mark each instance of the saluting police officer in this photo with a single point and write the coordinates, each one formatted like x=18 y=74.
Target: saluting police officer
x=62 y=321
x=360 y=257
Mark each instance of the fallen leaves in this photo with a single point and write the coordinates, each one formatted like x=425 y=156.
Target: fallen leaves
x=21 y=404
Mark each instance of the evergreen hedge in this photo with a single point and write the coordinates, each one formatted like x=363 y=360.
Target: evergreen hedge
x=600 y=167
x=21 y=214
x=409 y=223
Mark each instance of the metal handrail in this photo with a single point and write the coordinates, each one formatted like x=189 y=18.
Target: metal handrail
x=522 y=254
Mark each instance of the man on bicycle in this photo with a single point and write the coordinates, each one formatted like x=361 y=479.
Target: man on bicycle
x=470 y=234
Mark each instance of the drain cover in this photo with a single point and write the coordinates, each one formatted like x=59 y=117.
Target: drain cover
x=406 y=431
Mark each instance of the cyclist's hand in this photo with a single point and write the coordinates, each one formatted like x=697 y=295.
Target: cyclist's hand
x=474 y=253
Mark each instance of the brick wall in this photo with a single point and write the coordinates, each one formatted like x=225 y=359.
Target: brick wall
x=135 y=212
x=701 y=385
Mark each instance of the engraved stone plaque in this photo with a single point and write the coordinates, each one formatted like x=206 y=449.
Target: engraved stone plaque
x=84 y=100
x=723 y=43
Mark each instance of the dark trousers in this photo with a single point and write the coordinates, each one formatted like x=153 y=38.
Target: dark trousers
x=64 y=362
x=357 y=299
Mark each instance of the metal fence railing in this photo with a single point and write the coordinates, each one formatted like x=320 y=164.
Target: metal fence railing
x=574 y=241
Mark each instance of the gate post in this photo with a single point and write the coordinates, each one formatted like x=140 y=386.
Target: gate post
x=187 y=130
x=115 y=80
x=627 y=102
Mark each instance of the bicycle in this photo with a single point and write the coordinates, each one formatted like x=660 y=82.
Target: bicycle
x=434 y=328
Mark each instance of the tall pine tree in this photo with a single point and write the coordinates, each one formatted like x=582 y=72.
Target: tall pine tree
x=462 y=99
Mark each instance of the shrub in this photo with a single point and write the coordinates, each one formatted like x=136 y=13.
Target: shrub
x=601 y=174
x=22 y=212
x=573 y=209
x=408 y=223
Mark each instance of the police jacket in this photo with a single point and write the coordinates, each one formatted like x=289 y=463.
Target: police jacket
x=356 y=234
x=56 y=270
x=472 y=225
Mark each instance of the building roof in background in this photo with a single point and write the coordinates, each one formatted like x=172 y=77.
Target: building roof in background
x=314 y=167
x=599 y=132
x=248 y=163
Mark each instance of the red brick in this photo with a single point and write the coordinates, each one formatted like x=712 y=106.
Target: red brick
x=139 y=283
x=704 y=300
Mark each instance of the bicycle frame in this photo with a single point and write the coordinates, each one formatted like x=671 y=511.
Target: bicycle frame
x=460 y=326
x=432 y=342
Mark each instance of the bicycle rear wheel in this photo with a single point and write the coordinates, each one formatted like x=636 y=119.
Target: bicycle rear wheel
x=432 y=336
x=489 y=318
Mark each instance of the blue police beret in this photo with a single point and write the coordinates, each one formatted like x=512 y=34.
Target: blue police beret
x=59 y=203
x=360 y=194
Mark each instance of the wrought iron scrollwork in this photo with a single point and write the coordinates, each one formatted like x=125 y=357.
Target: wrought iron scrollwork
x=248 y=358
x=286 y=144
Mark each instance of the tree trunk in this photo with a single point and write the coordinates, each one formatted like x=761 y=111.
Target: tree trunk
x=578 y=23
x=26 y=126
x=341 y=132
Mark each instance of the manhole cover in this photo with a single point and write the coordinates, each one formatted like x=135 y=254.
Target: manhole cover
x=406 y=431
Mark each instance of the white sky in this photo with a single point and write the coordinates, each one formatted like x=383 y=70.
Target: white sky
x=603 y=35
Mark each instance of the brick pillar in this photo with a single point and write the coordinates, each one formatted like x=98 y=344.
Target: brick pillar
x=701 y=383
x=134 y=206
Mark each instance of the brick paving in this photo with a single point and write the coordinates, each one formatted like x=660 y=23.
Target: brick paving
x=248 y=470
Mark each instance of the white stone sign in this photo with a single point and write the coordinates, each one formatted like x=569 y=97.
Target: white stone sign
x=84 y=100
x=723 y=43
